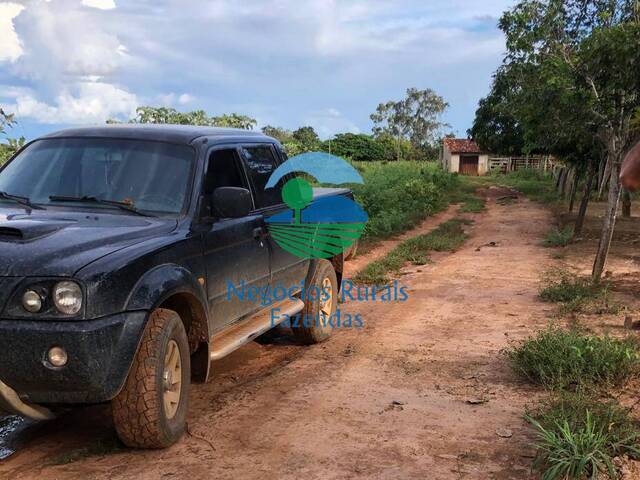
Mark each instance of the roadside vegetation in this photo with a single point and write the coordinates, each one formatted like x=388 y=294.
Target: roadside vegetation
x=447 y=237
x=558 y=237
x=576 y=294
x=578 y=437
x=578 y=431
x=398 y=195
x=556 y=358
x=535 y=184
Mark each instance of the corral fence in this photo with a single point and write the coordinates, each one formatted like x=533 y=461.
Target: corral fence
x=511 y=164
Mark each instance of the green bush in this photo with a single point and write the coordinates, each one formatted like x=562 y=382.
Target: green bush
x=577 y=294
x=578 y=436
x=558 y=358
x=558 y=237
x=398 y=195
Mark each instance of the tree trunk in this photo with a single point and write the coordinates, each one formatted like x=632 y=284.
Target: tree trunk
x=626 y=203
x=586 y=195
x=606 y=176
x=609 y=220
x=574 y=187
x=563 y=183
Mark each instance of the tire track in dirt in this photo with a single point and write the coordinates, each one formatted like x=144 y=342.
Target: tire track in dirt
x=418 y=393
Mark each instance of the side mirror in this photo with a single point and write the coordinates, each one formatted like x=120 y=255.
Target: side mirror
x=231 y=202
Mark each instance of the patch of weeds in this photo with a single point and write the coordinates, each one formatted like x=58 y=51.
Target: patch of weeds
x=578 y=437
x=535 y=184
x=558 y=237
x=558 y=358
x=577 y=294
x=472 y=204
x=99 y=448
x=447 y=237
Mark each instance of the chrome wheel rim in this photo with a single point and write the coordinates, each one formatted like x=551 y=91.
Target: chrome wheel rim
x=172 y=379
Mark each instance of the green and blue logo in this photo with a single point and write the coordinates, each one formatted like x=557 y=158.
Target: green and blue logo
x=319 y=227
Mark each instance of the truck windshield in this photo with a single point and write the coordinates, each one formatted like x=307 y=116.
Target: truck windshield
x=148 y=176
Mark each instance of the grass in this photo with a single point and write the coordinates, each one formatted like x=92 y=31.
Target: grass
x=576 y=294
x=558 y=237
x=398 y=195
x=578 y=437
x=472 y=204
x=536 y=185
x=446 y=237
x=557 y=359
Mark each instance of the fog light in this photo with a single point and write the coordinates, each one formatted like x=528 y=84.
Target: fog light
x=31 y=301
x=57 y=356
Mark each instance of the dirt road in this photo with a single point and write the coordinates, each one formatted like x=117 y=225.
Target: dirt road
x=420 y=392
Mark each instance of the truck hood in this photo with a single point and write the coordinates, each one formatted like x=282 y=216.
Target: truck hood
x=60 y=242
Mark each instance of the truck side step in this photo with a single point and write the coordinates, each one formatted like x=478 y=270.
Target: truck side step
x=238 y=334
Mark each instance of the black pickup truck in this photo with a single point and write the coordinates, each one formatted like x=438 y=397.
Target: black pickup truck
x=118 y=246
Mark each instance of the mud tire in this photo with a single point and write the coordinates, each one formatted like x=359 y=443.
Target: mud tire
x=138 y=410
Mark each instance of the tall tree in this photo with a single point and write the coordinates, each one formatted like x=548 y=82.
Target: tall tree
x=416 y=117
x=12 y=145
x=595 y=44
x=168 y=115
x=496 y=127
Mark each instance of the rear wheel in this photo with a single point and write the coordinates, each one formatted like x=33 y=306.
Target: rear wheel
x=314 y=325
x=151 y=409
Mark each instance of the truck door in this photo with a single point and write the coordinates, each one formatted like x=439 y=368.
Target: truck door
x=260 y=160
x=235 y=254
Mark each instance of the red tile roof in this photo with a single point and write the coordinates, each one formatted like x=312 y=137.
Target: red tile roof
x=461 y=145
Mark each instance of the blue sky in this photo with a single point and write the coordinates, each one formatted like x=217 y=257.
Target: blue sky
x=324 y=63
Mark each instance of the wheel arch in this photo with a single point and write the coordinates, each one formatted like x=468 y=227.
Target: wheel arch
x=173 y=287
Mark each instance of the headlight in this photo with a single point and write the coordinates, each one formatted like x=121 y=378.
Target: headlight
x=67 y=296
x=31 y=301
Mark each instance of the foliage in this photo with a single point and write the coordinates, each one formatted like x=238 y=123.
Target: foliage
x=7 y=120
x=357 y=147
x=167 y=115
x=557 y=237
x=557 y=358
x=415 y=118
x=397 y=195
x=448 y=236
x=578 y=436
x=536 y=185
x=496 y=127
x=576 y=294
x=304 y=139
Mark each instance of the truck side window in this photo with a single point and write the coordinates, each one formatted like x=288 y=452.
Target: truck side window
x=261 y=163
x=223 y=170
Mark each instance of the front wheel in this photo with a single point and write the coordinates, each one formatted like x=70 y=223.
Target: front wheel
x=314 y=323
x=151 y=409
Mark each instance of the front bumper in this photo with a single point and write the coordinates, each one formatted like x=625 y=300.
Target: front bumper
x=100 y=354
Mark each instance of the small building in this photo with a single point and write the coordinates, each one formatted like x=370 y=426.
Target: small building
x=462 y=155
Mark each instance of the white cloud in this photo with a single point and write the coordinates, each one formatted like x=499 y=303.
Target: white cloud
x=89 y=103
x=329 y=121
x=281 y=60
x=10 y=45
x=100 y=4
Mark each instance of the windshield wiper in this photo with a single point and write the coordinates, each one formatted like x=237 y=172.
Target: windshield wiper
x=21 y=200
x=100 y=201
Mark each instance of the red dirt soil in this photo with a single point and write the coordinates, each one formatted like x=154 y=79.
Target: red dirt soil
x=420 y=392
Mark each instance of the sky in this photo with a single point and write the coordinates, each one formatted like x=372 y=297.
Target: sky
x=288 y=63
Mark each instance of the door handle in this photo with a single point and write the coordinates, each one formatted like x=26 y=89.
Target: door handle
x=259 y=233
